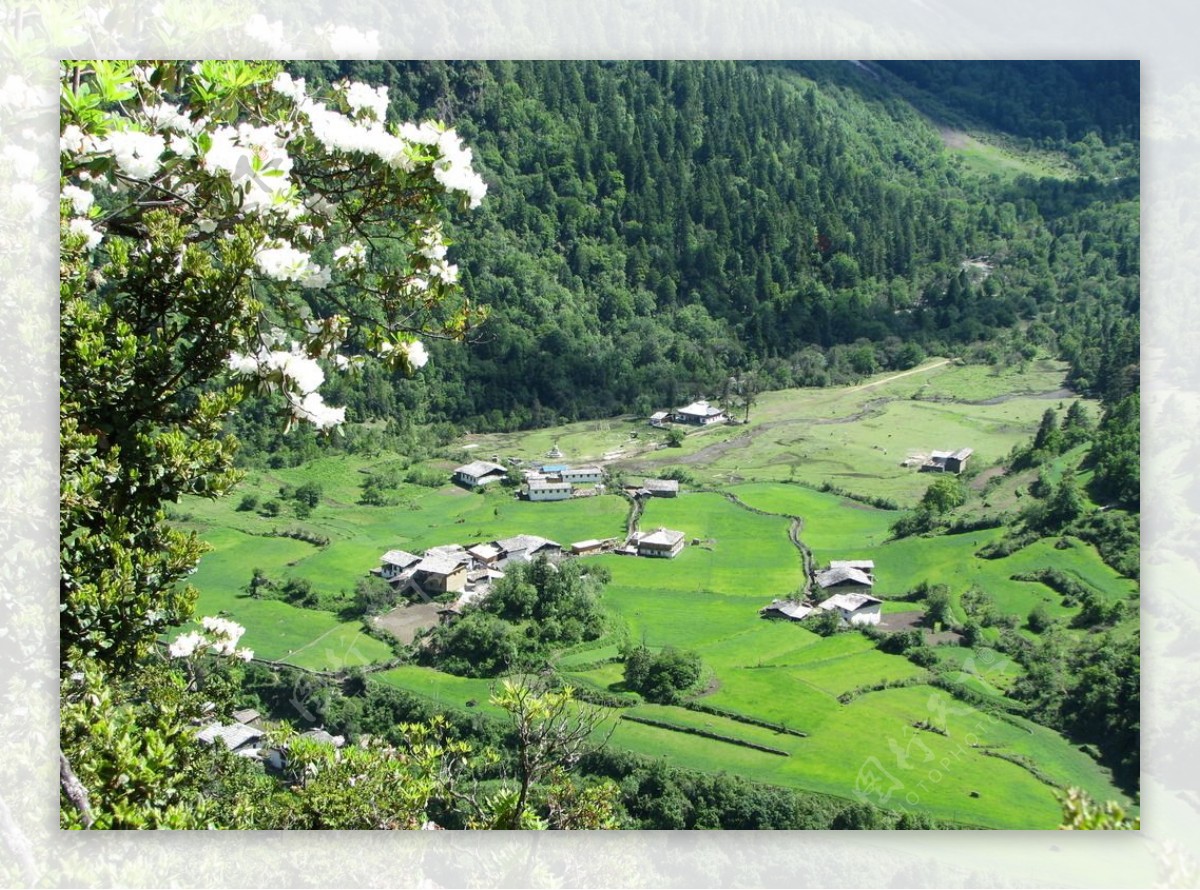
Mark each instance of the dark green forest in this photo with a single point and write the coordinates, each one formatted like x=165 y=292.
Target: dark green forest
x=653 y=228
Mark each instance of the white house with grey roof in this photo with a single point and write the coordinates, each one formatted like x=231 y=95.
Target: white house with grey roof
x=479 y=473
x=854 y=608
x=700 y=413
x=663 y=542
x=545 y=490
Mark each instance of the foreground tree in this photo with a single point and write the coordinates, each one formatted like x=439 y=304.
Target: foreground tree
x=223 y=232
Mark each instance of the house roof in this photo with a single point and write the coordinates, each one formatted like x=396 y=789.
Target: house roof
x=790 y=608
x=590 y=544
x=401 y=558
x=554 y=468
x=850 y=602
x=480 y=468
x=246 y=715
x=866 y=565
x=660 y=415
x=829 y=577
x=438 y=565
x=484 y=552
x=699 y=408
x=663 y=537
x=234 y=736
x=581 y=470
x=528 y=543
x=323 y=736
x=661 y=485
x=963 y=453
x=542 y=485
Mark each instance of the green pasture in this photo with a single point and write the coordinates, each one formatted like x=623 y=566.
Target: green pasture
x=276 y=630
x=443 y=690
x=830 y=520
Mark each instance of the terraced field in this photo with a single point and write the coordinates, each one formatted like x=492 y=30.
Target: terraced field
x=831 y=714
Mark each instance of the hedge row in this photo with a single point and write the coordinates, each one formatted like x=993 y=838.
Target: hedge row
x=716 y=736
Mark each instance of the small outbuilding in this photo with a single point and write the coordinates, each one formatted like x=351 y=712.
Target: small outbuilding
x=947 y=461
x=790 y=610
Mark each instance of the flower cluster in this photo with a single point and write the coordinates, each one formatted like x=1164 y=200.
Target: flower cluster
x=219 y=637
x=256 y=173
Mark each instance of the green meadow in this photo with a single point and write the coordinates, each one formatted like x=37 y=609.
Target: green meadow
x=751 y=482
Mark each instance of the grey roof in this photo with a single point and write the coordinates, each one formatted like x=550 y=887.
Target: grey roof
x=528 y=543
x=542 y=485
x=246 y=715
x=587 y=545
x=865 y=565
x=484 y=552
x=401 y=558
x=829 y=577
x=963 y=453
x=662 y=537
x=480 y=468
x=438 y=565
x=789 y=608
x=661 y=485
x=233 y=736
x=850 y=602
x=700 y=408
x=323 y=736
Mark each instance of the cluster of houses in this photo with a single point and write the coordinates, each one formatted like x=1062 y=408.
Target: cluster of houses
x=698 y=413
x=245 y=738
x=466 y=571
x=846 y=589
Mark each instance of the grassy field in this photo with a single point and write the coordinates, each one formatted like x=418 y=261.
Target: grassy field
x=738 y=558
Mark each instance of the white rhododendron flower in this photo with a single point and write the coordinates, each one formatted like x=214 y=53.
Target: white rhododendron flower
x=186 y=644
x=350 y=256
x=81 y=199
x=417 y=355
x=361 y=97
x=136 y=153
x=85 y=228
x=287 y=263
x=313 y=409
x=183 y=146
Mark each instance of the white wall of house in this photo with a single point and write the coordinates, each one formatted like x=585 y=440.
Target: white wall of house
x=549 y=493
x=868 y=614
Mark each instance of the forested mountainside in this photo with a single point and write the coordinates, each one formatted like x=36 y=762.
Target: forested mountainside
x=652 y=228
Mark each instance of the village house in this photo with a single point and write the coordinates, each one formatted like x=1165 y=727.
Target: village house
x=662 y=543
x=947 y=461
x=438 y=573
x=844 y=578
x=479 y=473
x=788 y=609
x=854 y=608
x=395 y=563
x=700 y=413
x=239 y=738
x=591 y=547
x=548 y=491
x=486 y=555
x=658 y=418
x=526 y=548
x=659 y=488
x=582 y=475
